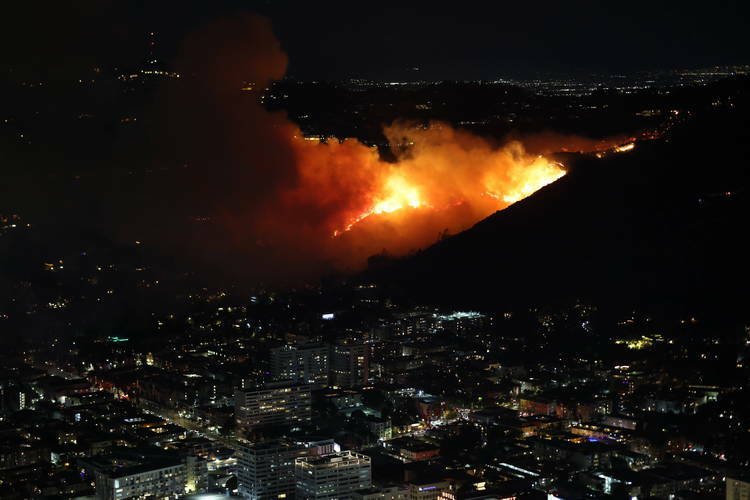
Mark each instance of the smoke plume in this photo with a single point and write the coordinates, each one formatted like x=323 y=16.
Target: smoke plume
x=289 y=207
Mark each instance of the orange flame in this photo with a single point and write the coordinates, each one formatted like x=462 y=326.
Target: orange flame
x=397 y=195
x=346 y=203
x=277 y=198
x=505 y=175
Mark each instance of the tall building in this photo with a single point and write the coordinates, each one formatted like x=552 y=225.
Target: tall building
x=266 y=469
x=335 y=476
x=279 y=403
x=350 y=364
x=22 y=400
x=196 y=474
x=738 y=489
x=318 y=447
x=306 y=364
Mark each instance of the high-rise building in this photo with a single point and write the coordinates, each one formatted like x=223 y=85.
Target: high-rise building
x=317 y=446
x=738 y=489
x=266 y=469
x=197 y=474
x=306 y=364
x=279 y=403
x=337 y=476
x=350 y=363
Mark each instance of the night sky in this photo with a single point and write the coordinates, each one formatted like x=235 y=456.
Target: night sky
x=388 y=40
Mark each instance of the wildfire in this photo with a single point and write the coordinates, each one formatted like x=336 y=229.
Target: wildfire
x=531 y=179
x=283 y=194
x=624 y=148
x=503 y=182
x=398 y=194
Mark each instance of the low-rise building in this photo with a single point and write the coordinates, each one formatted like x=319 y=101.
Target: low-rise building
x=159 y=479
x=387 y=493
x=335 y=476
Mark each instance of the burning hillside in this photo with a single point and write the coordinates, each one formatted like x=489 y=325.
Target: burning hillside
x=444 y=180
x=297 y=207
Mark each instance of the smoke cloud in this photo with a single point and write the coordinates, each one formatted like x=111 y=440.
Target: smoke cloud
x=286 y=207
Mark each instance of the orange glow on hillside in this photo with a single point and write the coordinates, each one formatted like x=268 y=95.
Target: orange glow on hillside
x=297 y=207
x=444 y=180
x=506 y=185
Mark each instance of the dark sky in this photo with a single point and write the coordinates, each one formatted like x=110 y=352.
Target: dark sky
x=446 y=40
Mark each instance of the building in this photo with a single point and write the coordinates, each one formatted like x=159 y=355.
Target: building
x=318 y=447
x=350 y=365
x=738 y=489
x=620 y=421
x=337 y=475
x=430 y=408
x=20 y=453
x=160 y=479
x=305 y=364
x=22 y=400
x=582 y=456
x=266 y=469
x=387 y=493
x=667 y=479
x=538 y=406
x=344 y=399
x=273 y=404
x=427 y=490
x=507 y=490
x=413 y=450
x=380 y=427
x=197 y=474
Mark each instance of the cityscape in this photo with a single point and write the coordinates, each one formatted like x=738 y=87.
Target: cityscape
x=228 y=271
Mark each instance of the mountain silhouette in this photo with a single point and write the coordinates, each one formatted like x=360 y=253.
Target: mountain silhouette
x=662 y=226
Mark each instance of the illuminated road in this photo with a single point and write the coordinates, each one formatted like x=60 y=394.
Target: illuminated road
x=173 y=417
